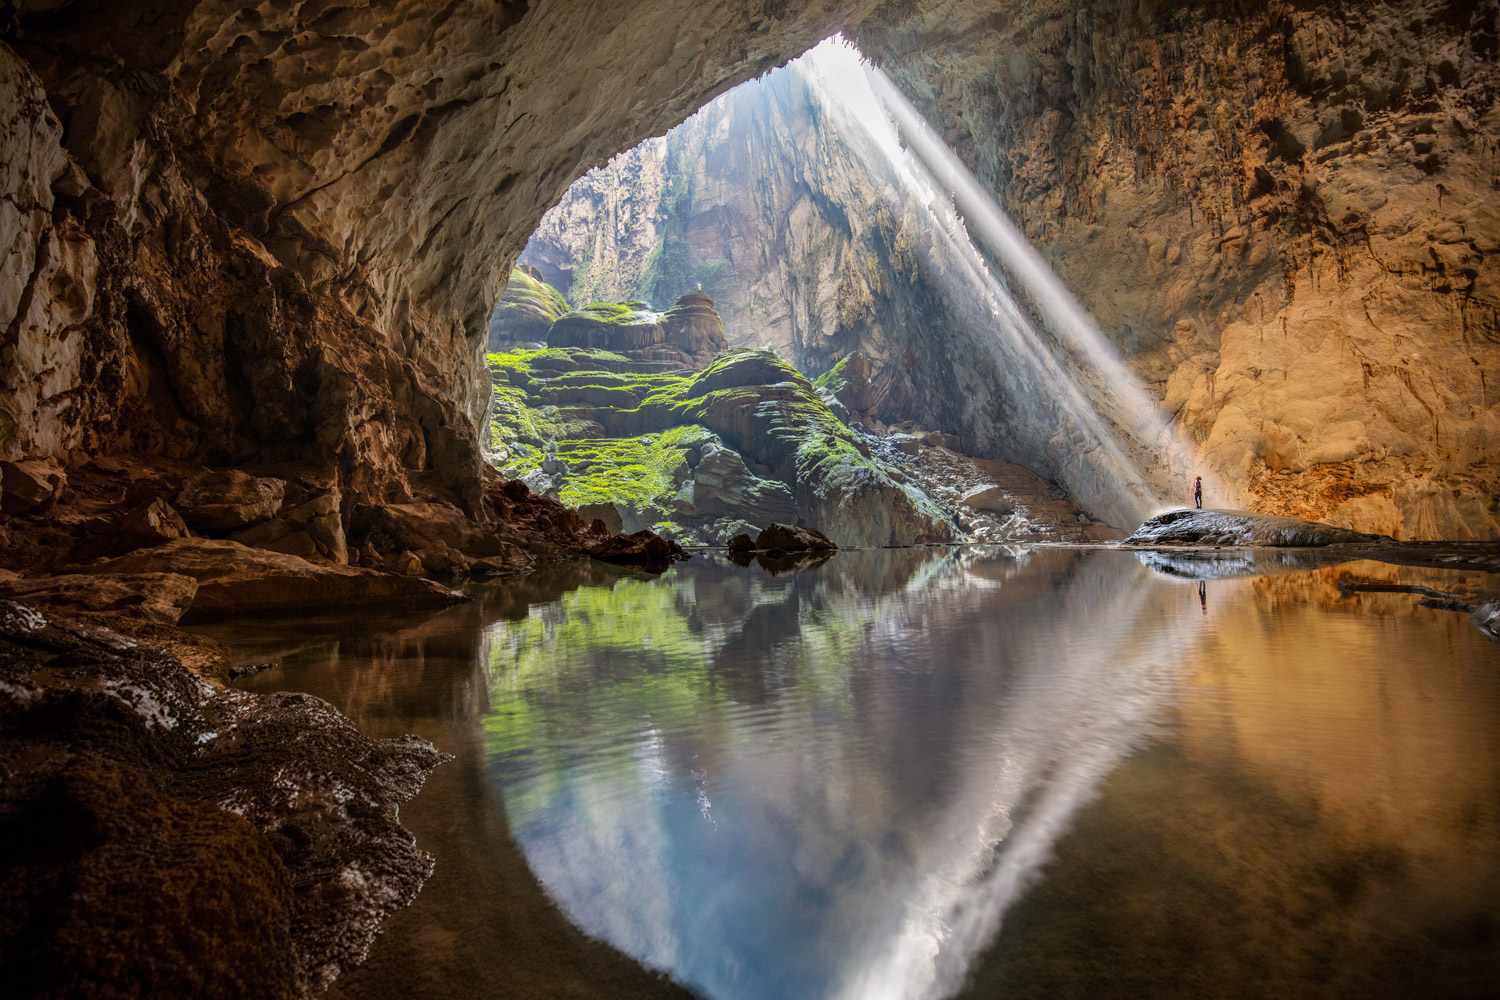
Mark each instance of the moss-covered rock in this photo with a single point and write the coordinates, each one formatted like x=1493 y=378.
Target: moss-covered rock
x=526 y=310
x=793 y=457
x=616 y=326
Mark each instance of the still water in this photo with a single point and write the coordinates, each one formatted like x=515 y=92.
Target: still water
x=922 y=773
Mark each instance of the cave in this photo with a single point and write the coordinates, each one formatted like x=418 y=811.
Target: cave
x=587 y=482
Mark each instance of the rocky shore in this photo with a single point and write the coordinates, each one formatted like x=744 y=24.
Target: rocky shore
x=184 y=839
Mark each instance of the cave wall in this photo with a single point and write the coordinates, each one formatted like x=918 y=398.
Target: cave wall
x=757 y=202
x=1285 y=216
x=268 y=234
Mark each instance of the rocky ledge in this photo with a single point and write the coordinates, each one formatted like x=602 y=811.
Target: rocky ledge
x=1238 y=527
x=180 y=838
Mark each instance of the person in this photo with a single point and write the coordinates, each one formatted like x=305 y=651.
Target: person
x=1203 y=596
x=1198 y=492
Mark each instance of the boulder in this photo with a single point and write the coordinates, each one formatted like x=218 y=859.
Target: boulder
x=30 y=486
x=607 y=513
x=783 y=538
x=227 y=500
x=991 y=499
x=742 y=543
x=693 y=326
x=1191 y=526
x=423 y=528
x=510 y=560
x=160 y=597
x=1486 y=618
x=646 y=549
x=314 y=529
x=234 y=579
x=153 y=523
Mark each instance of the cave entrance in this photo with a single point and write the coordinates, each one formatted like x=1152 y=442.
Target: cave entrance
x=779 y=303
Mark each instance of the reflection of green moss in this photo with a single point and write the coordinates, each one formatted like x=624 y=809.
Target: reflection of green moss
x=632 y=641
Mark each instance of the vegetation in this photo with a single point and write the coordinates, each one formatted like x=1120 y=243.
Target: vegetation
x=525 y=291
x=635 y=472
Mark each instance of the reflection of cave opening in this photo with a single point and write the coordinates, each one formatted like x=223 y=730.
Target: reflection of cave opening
x=789 y=216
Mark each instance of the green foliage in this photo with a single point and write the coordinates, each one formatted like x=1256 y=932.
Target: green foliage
x=532 y=293
x=832 y=381
x=635 y=472
x=615 y=313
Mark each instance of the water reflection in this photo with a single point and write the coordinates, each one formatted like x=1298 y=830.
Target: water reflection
x=899 y=773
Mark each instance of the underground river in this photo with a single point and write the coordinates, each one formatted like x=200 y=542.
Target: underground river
x=934 y=772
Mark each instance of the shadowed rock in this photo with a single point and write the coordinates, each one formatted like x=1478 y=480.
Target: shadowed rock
x=164 y=837
x=236 y=579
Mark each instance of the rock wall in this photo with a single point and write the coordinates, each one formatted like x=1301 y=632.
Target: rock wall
x=1284 y=215
x=757 y=203
x=244 y=234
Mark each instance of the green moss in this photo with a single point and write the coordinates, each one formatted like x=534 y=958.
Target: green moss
x=635 y=472
x=532 y=293
x=833 y=380
x=616 y=313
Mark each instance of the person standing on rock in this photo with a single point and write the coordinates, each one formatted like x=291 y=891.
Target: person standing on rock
x=1198 y=492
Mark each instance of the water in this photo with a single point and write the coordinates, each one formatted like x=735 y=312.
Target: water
x=917 y=773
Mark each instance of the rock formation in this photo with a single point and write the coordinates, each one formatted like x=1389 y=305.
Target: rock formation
x=1283 y=214
x=624 y=419
x=211 y=257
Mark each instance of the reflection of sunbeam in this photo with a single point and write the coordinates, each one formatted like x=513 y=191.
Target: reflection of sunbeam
x=1062 y=737
x=1121 y=453
x=859 y=827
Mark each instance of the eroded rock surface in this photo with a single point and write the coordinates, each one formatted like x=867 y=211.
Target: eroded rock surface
x=234 y=579
x=1282 y=214
x=165 y=837
x=1237 y=527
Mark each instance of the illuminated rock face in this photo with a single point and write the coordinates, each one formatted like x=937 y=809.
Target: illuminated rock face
x=1284 y=216
x=252 y=235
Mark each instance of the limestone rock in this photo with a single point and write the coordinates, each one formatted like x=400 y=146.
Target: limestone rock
x=435 y=528
x=160 y=597
x=645 y=549
x=786 y=538
x=234 y=579
x=1232 y=527
x=1486 y=618
x=526 y=310
x=606 y=513
x=694 y=327
x=206 y=835
x=227 y=500
x=30 y=486
x=153 y=523
x=608 y=326
x=313 y=529
x=993 y=499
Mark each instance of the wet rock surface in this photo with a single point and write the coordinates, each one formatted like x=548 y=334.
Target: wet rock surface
x=236 y=579
x=1233 y=527
x=165 y=837
x=646 y=549
x=787 y=539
